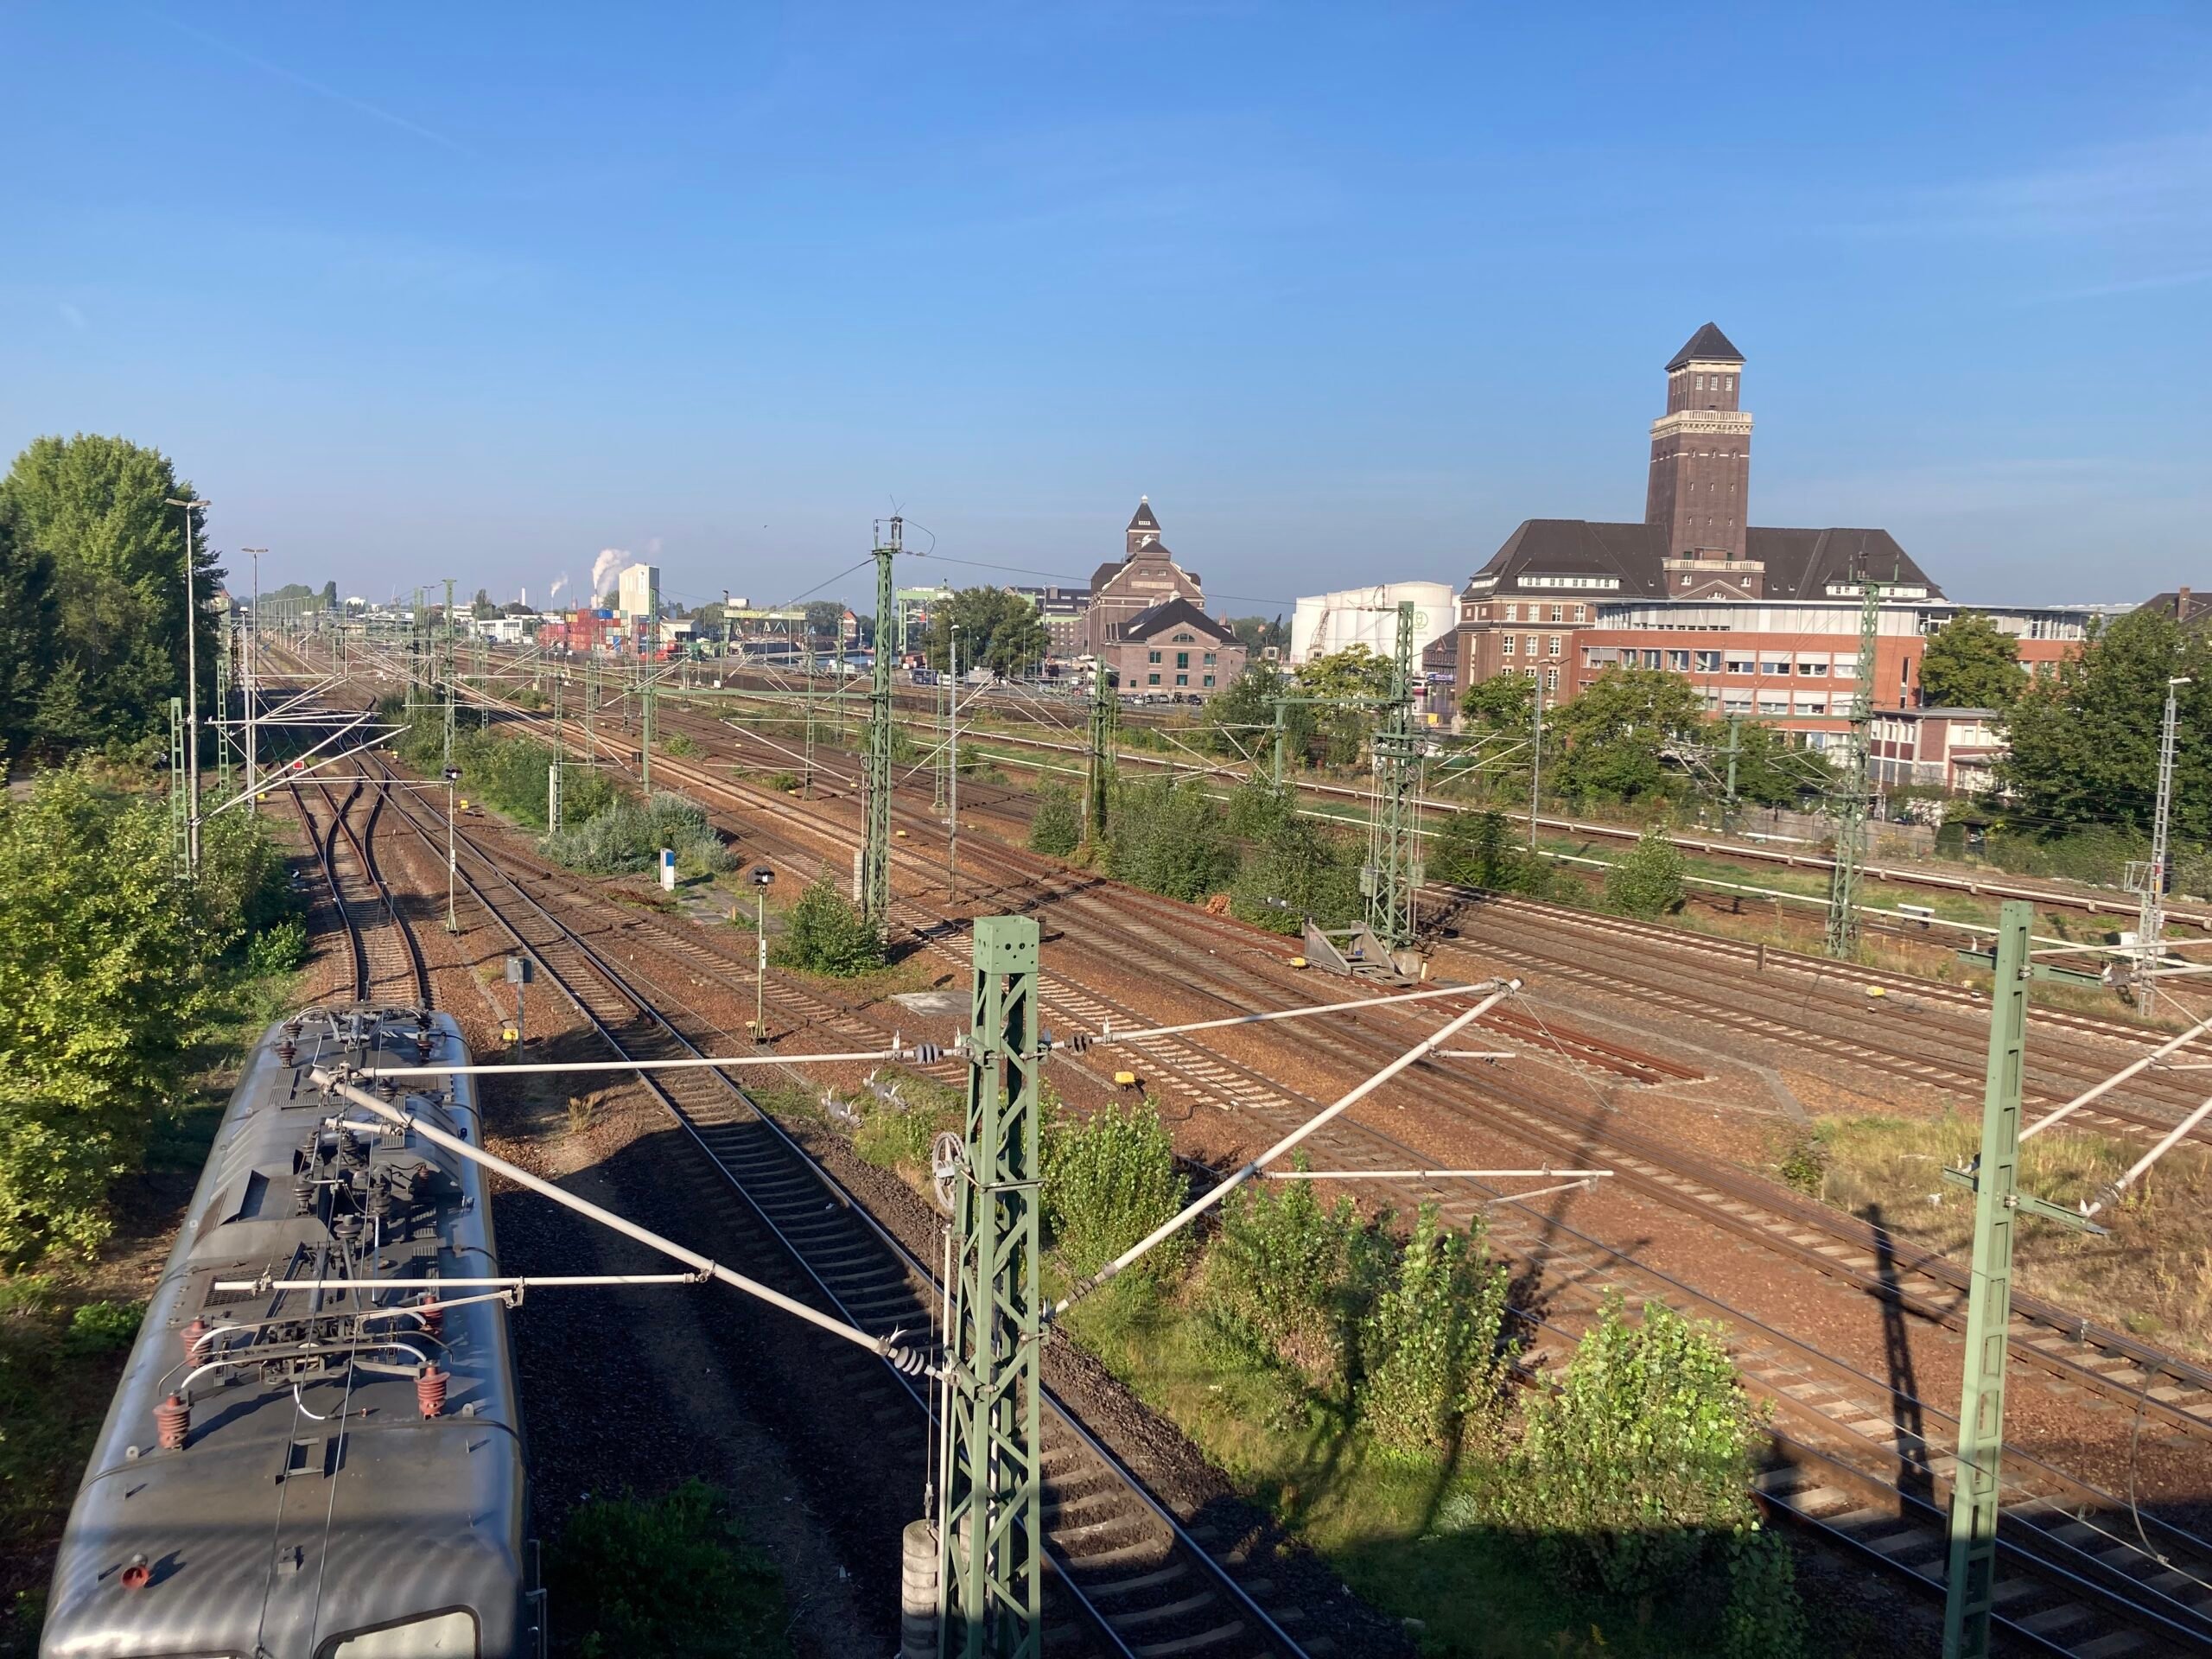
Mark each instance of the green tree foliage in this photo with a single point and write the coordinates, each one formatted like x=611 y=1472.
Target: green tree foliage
x=825 y=621
x=481 y=606
x=1287 y=1279
x=668 y=1575
x=95 y=555
x=1437 y=1362
x=107 y=970
x=1257 y=808
x=2085 y=742
x=1647 y=880
x=824 y=934
x=1168 y=837
x=999 y=630
x=1769 y=772
x=330 y=595
x=1614 y=730
x=1241 y=720
x=1255 y=634
x=1504 y=703
x=1354 y=679
x=1058 y=827
x=1110 y=1179
x=1969 y=664
x=1640 y=1463
x=1477 y=850
x=1312 y=869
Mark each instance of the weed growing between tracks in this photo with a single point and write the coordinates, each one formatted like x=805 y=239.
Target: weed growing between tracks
x=2153 y=1277
x=668 y=1575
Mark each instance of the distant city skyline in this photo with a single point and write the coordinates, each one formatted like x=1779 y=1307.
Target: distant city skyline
x=1348 y=293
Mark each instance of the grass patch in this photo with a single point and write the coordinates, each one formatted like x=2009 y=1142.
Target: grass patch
x=2153 y=1275
x=671 y=1574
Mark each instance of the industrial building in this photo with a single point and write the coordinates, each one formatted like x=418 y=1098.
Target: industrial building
x=1327 y=623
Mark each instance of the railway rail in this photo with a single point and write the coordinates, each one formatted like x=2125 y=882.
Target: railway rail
x=387 y=958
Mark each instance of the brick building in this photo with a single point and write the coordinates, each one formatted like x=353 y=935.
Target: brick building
x=1145 y=575
x=1175 y=647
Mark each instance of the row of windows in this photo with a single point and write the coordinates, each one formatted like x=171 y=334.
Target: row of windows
x=1551 y=677
x=1182 y=657
x=1180 y=679
x=1506 y=645
x=1743 y=702
x=1720 y=382
x=1808 y=665
x=1536 y=613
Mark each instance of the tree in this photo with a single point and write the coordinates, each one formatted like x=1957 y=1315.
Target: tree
x=330 y=595
x=999 y=630
x=1058 y=826
x=1257 y=633
x=1241 y=720
x=482 y=607
x=1505 y=704
x=826 y=934
x=2085 y=743
x=1614 y=730
x=1354 y=680
x=90 y=512
x=1476 y=849
x=1438 y=1366
x=1167 y=837
x=1648 y=880
x=826 y=620
x=1969 y=664
x=1769 y=772
x=26 y=618
x=1312 y=870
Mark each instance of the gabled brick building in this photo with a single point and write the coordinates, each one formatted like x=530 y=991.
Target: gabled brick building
x=1145 y=575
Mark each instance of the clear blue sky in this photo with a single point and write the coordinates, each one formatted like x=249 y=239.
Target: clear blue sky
x=413 y=291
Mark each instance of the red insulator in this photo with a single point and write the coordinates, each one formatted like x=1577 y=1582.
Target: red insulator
x=434 y=1318
x=137 y=1575
x=172 y=1418
x=430 y=1390
x=287 y=1052
x=193 y=1334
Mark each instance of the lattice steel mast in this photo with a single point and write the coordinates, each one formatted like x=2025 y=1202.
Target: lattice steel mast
x=1393 y=873
x=876 y=850
x=1851 y=800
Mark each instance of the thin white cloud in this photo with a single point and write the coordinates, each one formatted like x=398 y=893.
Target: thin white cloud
x=2138 y=186
x=361 y=105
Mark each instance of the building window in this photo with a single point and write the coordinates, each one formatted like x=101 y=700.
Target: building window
x=1774 y=705
x=1551 y=679
x=1530 y=645
x=1735 y=702
x=1554 y=652
x=1182 y=659
x=1512 y=613
x=1678 y=662
x=1742 y=665
x=1774 y=666
x=1151 y=656
x=1152 y=679
x=1184 y=639
x=1558 y=612
x=1209 y=659
x=1507 y=648
x=1581 y=613
x=1845 y=668
x=1182 y=679
x=1651 y=659
x=1813 y=668
x=1812 y=705
x=1530 y=670
x=1708 y=662
x=1207 y=681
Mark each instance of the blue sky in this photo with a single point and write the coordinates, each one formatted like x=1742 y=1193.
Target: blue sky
x=479 y=292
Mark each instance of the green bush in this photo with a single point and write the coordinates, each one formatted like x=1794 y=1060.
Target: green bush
x=678 y=745
x=1257 y=809
x=1640 y=1460
x=1311 y=869
x=279 y=948
x=1168 y=837
x=1110 y=1179
x=1435 y=1348
x=1646 y=882
x=1287 y=1280
x=824 y=934
x=665 y=1575
x=615 y=841
x=104 y=1328
x=1058 y=827
x=1764 y=1619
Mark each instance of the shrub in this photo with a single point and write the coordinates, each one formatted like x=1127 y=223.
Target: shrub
x=705 y=855
x=784 y=781
x=1286 y=1279
x=278 y=949
x=670 y=1574
x=1764 y=1619
x=614 y=841
x=1058 y=827
x=104 y=1328
x=1312 y=870
x=1110 y=1179
x=1435 y=1347
x=1168 y=837
x=1257 y=807
x=824 y=934
x=1641 y=1459
x=1648 y=881
x=1805 y=1164
x=678 y=745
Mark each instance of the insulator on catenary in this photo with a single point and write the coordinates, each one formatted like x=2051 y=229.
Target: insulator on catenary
x=911 y=1361
x=928 y=1053
x=430 y=1390
x=173 y=1420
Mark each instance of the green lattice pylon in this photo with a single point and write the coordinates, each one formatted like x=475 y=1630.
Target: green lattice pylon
x=990 y=1534
x=180 y=803
x=1393 y=874
x=1852 y=802
x=1098 y=783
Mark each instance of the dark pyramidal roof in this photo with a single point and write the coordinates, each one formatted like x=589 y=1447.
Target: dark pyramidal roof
x=1173 y=614
x=1800 y=563
x=1142 y=518
x=1708 y=345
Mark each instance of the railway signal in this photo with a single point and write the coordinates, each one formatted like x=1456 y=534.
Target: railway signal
x=453 y=777
x=763 y=879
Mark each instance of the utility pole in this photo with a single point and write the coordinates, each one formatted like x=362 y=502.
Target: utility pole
x=1848 y=803
x=252 y=682
x=875 y=854
x=1535 y=757
x=179 y=808
x=1394 y=812
x=990 y=1539
x=447 y=667
x=1282 y=737
x=952 y=770
x=225 y=655
x=646 y=733
x=2150 y=880
x=1099 y=786
x=806 y=766
x=1735 y=748
x=1970 y=1584
x=191 y=687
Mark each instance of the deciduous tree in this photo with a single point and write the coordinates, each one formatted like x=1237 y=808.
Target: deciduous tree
x=1614 y=730
x=999 y=630
x=1969 y=664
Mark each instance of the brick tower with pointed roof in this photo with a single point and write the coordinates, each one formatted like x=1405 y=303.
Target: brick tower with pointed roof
x=1701 y=485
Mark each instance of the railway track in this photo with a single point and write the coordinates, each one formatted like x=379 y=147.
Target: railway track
x=387 y=958
x=1144 y=1581
x=1885 y=1524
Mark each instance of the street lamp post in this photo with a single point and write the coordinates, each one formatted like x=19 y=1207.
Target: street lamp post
x=763 y=879
x=453 y=777
x=191 y=687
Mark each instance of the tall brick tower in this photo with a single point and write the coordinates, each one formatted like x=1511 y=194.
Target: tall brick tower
x=1701 y=453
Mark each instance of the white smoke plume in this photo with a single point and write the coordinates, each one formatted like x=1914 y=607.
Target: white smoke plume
x=559 y=582
x=610 y=560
